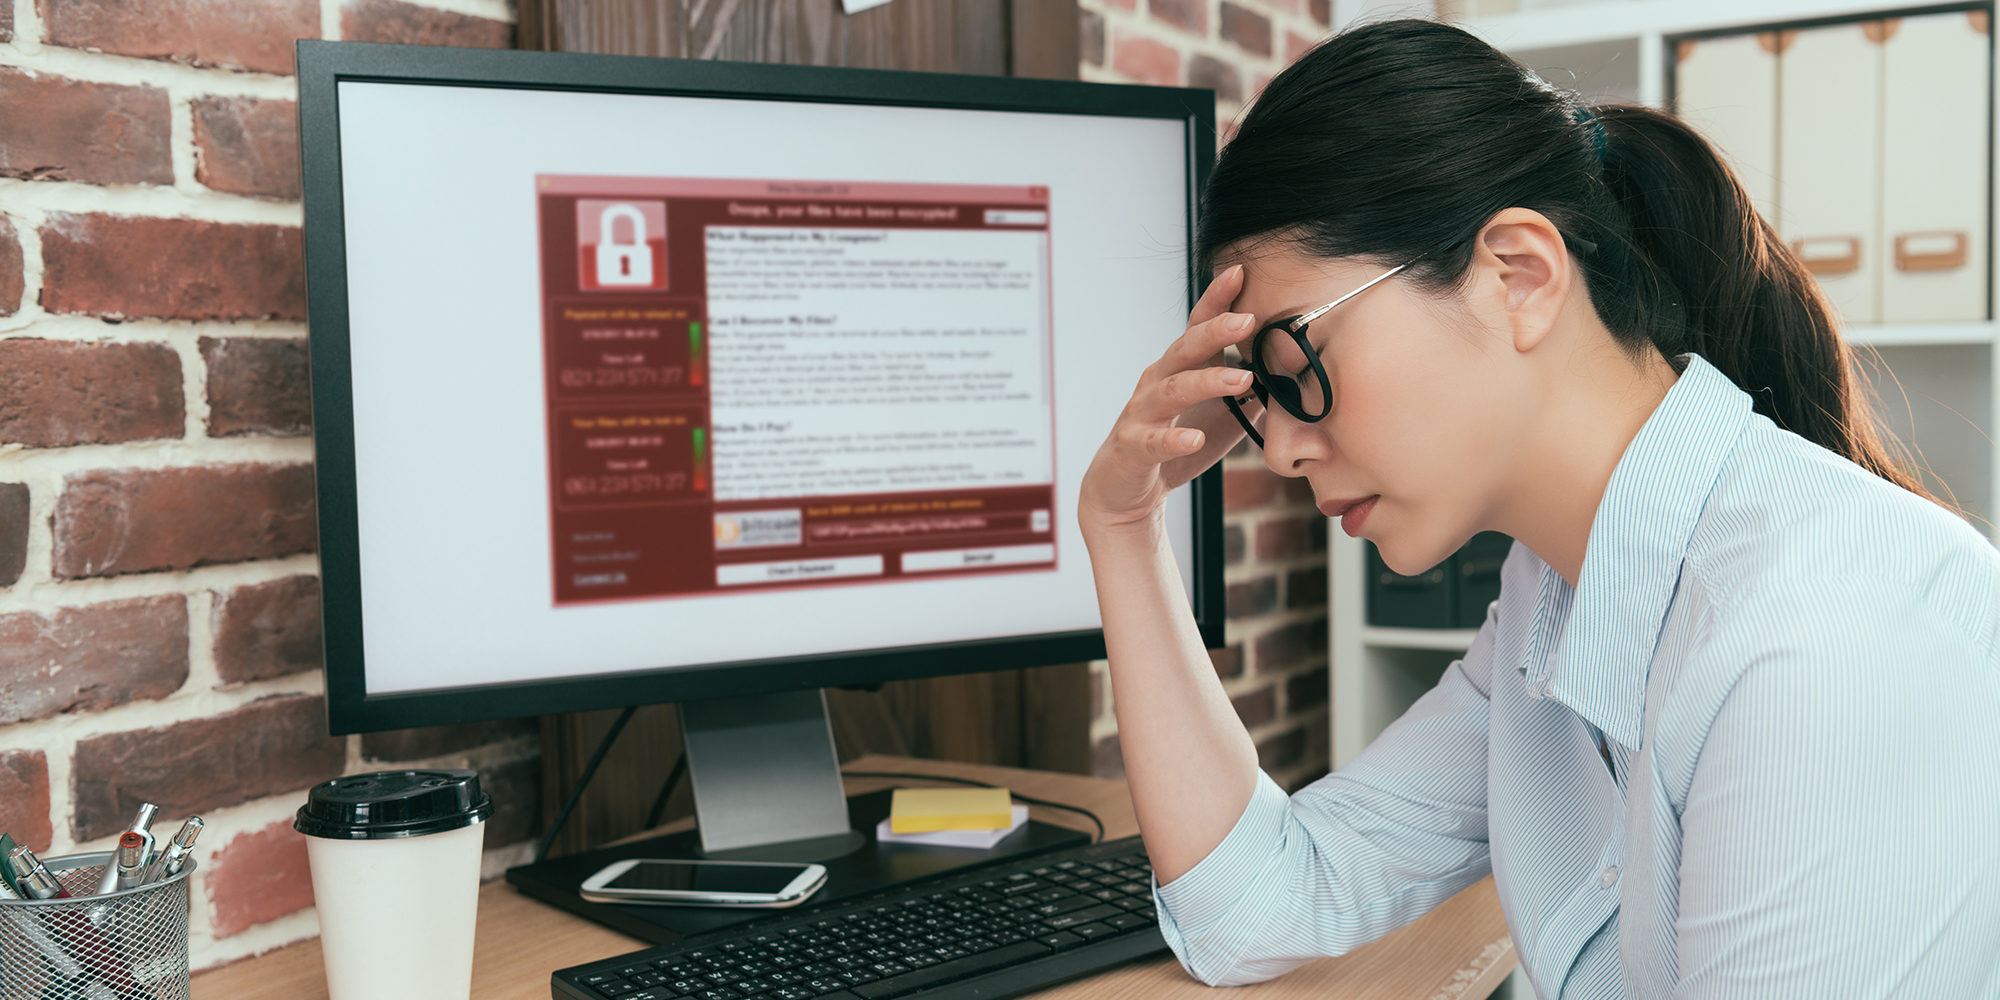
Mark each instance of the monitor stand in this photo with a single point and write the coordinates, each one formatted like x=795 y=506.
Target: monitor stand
x=767 y=788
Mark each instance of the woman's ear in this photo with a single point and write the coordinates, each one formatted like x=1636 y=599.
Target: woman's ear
x=1521 y=260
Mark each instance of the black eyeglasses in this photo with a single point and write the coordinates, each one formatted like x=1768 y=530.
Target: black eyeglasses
x=1283 y=366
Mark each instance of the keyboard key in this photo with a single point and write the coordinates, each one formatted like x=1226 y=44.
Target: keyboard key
x=1129 y=921
x=947 y=971
x=656 y=993
x=1063 y=906
x=617 y=988
x=1107 y=895
x=1060 y=940
x=1071 y=919
x=1091 y=932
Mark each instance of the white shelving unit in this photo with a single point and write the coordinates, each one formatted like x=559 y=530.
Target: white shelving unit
x=1948 y=406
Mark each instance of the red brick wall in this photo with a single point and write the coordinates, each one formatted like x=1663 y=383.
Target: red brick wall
x=1275 y=664
x=159 y=624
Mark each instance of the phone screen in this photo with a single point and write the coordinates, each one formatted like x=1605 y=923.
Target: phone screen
x=704 y=877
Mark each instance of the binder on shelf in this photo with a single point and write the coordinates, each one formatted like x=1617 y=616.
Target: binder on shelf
x=1423 y=601
x=1479 y=565
x=1829 y=172
x=1934 y=173
x=1727 y=88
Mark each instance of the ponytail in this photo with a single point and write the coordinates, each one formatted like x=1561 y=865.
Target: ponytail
x=1735 y=293
x=1388 y=140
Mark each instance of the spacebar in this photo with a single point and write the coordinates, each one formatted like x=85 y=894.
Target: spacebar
x=957 y=968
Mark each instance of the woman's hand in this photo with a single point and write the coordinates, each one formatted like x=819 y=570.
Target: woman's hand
x=1175 y=425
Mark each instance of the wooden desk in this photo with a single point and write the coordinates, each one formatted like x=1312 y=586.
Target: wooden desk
x=1460 y=951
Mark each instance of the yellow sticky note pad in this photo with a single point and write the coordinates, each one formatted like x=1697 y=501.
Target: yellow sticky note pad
x=925 y=810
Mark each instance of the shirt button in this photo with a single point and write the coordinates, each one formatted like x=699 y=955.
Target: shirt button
x=1539 y=689
x=1608 y=877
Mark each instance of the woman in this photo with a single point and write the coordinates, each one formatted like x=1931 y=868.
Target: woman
x=1728 y=730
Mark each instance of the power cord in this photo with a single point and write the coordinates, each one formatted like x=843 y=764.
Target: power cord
x=983 y=784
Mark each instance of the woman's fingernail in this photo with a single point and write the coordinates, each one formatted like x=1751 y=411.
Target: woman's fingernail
x=1239 y=378
x=1236 y=323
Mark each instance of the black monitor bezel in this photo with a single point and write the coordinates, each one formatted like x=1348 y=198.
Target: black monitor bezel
x=323 y=65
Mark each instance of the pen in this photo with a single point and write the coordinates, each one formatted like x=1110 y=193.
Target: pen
x=130 y=861
x=142 y=825
x=171 y=860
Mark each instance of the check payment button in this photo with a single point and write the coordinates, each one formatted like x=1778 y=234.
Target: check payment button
x=1003 y=555
x=794 y=570
x=1015 y=217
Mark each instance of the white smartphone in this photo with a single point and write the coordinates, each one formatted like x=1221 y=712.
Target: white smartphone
x=704 y=883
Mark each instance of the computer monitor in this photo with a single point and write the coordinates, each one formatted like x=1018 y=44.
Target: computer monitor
x=646 y=380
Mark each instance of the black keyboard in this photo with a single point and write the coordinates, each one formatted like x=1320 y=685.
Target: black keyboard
x=996 y=931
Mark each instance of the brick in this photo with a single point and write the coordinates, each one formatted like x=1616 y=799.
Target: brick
x=1291 y=537
x=516 y=789
x=247 y=146
x=1247 y=29
x=256 y=878
x=1228 y=661
x=55 y=393
x=1187 y=15
x=268 y=747
x=265 y=630
x=243 y=34
x=135 y=520
x=1290 y=645
x=13 y=531
x=120 y=267
x=258 y=385
x=13 y=275
x=1283 y=750
x=24 y=798
x=1252 y=597
x=1297 y=45
x=1256 y=708
x=1147 y=60
x=1106 y=759
x=1321 y=11
x=1306 y=588
x=1090 y=36
x=1246 y=487
x=1208 y=71
x=58 y=129
x=1305 y=691
x=409 y=24
x=93 y=657
x=1232 y=545
x=434 y=741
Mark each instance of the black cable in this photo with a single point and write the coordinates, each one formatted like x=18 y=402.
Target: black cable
x=666 y=791
x=986 y=784
x=590 y=771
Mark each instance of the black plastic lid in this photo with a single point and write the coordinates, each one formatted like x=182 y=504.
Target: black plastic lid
x=388 y=804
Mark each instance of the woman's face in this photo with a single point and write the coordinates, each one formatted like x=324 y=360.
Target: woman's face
x=1427 y=409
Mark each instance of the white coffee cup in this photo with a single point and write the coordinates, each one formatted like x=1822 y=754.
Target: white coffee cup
x=395 y=871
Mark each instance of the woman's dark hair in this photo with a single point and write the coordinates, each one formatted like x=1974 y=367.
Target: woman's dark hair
x=1402 y=138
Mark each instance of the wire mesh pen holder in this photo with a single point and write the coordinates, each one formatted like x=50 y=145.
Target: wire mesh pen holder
x=130 y=945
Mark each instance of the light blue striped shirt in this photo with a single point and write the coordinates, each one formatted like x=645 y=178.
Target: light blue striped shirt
x=1796 y=669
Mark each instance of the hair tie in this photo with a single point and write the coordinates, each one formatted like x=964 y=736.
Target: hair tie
x=1598 y=140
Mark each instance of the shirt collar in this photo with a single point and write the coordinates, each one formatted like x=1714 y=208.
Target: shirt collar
x=1638 y=540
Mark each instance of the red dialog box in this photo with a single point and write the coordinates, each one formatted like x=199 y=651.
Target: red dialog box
x=621 y=245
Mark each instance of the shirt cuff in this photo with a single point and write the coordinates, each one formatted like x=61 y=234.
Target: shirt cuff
x=1205 y=892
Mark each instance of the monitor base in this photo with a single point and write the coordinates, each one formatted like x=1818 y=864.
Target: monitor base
x=867 y=867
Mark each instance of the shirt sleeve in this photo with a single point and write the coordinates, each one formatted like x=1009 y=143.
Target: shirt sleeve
x=1841 y=835
x=1350 y=857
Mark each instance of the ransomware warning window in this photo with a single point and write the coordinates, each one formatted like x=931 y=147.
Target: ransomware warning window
x=774 y=384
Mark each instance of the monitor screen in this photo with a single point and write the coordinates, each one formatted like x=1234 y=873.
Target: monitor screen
x=761 y=387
